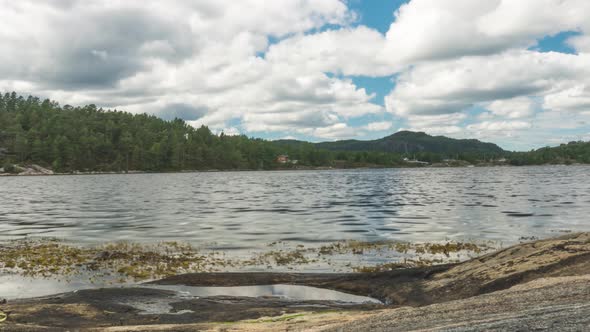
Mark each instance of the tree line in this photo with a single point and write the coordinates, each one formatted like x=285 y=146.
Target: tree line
x=566 y=154
x=88 y=138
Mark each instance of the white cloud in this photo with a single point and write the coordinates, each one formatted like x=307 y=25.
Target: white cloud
x=440 y=124
x=580 y=43
x=528 y=19
x=212 y=62
x=436 y=120
x=466 y=55
x=451 y=86
x=549 y=121
x=379 y=126
x=515 y=108
x=143 y=56
x=334 y=132
x=499 y=126
x=353 y=51
x=437 y=29
x=575 y=99
x=439 y=130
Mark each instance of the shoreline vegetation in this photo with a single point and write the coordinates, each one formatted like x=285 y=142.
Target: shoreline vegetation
x=66 y=139
x=123 y=262
x=542 y=284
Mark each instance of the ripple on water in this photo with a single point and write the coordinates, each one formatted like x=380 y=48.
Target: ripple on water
x=520 y=215
x=254 y=208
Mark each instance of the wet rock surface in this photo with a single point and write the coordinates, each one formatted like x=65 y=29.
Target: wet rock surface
x=383 y=286
x=538 y=285
x=568 y=255
x=141 y=306
x=553 y=304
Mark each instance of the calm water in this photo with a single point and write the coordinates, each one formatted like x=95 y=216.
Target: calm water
x=251 y=209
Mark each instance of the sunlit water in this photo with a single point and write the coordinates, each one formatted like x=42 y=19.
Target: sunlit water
x=241 y=210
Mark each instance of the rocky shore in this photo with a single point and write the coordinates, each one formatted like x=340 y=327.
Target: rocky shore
x=28 y=170
x=541 y=285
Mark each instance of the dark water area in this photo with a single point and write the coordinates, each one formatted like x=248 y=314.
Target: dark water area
x=242 y=210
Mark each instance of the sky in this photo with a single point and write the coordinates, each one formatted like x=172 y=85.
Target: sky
x=512 y=72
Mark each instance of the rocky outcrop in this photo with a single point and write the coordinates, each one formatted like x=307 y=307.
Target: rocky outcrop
x=538 y=285
x=547 y=304
x=27 y=170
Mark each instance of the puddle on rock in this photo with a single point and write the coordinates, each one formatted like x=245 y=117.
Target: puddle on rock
x=14 y=286
x=285 y=292
x=156 y=306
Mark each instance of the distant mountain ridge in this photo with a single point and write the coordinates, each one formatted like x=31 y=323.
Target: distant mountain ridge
x=408 y=142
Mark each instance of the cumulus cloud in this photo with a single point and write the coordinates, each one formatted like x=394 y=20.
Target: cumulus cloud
x=379 y=126
x=288 y=66
x=333 y=132
x=200 y=61
x=574 y=99
x=349 y=51
x=434 y=30
x=499 y=126
x=463 y=55
x=580 y=43
x=515 y=108
x=79 y=46
x=451 y=86
x=440 y=124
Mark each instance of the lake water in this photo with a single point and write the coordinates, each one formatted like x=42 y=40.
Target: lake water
x=241 y=210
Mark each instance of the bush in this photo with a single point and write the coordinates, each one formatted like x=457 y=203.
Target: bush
x=9 y=168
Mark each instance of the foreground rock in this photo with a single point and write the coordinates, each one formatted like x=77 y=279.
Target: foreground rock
x=552 y=304
x=564 y=256
x=539 y=285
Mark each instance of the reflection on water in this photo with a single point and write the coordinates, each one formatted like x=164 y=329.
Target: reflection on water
x=19 y=287
x=163 y=305
x=251 y=209
x=13 y=286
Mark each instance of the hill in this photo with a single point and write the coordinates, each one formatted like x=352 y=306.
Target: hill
x=88 y=139
x=408 y=142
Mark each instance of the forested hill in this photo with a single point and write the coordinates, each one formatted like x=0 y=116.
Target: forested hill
x=91 y=139
x=408 y=142
x=65 y=139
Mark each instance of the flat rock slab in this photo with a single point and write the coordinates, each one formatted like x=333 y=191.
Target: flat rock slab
x=553 y=304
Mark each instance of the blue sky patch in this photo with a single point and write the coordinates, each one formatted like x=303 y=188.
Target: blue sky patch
x=556 y=43
x=376 y=14
x=380 y=86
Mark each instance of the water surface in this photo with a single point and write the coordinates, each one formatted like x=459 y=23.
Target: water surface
x=241 y=210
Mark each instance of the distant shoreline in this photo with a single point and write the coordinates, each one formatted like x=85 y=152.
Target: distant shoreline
x=132 y=172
